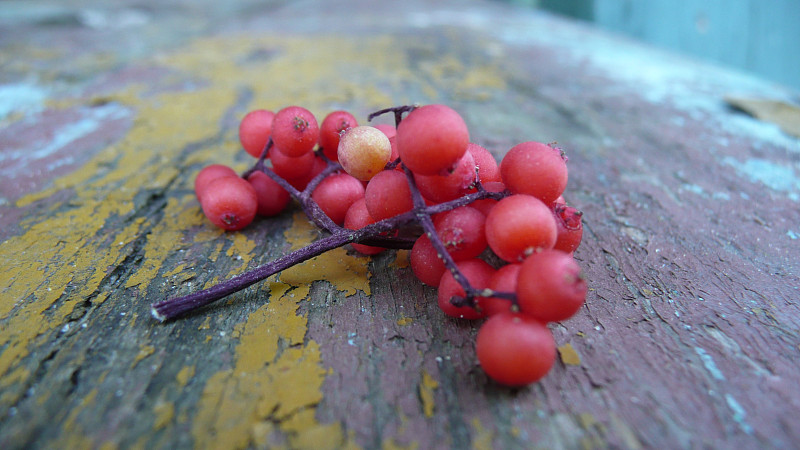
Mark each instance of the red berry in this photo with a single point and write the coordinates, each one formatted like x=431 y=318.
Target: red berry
x=289 y=167
x=336 y=193
x=519 y=225
x=209 y=174
x=425 y=262
x=477 y=272
x=502 y=280
x=488 y=169
x=431 y=139
x=358 y=217
x=550 y=286
x=272 y=198
x=443 y=188
x=230 y=203
x=515 y=349
x=332 y=126
x=570 y=227
x=535 y=169
x=388 y=195
x=255 y=130
x=295 y=131
x=462 y=231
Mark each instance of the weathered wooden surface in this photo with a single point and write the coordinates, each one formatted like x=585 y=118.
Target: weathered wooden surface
x=689 y=337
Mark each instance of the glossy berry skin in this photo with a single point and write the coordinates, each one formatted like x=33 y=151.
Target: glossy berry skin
x=336 y=193
x=358 y=217
x=550 y=286
x=503 y=279
x=431 y=139
x=515 y=349
x=272 y=198
x=518 y=226
x=331 y=128
x=230 y=203
x=209 y=174
x=569 y=226
x=535 y=169
x=255 y=130
x=478 y=272
x=443 y=188
x=462 y=231
x=289 y=167
x=364 y=151
x=387 y=195
x=426 y=264
x=295 y=131
x=488 y=170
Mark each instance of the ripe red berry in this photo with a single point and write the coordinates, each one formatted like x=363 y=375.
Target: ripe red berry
x=230 y=203
x=272 y=198
x=502 y=280
x=295 y=131
x=488 y=170
x=442 y=188
x=332 y=126
x=550 y=286
x=477 y=272
x=535 y=169
x=387 y=195
x=289 y=167
x=515 y=349
x=425 y=262
x=570 y=227
x=336 y=193
x=519 y=225
x=255 y=130
x=209 y=174
x=358 y=217
x=431 y=139
x=462 y=231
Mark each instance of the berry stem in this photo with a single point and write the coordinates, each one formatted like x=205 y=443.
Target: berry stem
x=169 y=309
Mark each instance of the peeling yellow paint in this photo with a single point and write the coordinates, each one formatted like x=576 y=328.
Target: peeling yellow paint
x=144 y=352
x=427 y=386
x=164 y=412
x=64 y=257
x=569 y=355
x=482 y=437
x=403 y=321
x=184 y=376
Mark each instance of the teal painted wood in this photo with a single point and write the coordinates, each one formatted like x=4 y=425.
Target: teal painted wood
x=761 y=37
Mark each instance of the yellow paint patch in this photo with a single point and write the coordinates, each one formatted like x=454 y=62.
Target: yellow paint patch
x=164 y=412
x=569 y=355
x=184 y=376
x=144 y=352
x=346 y=273
x=64 y=257
x=427 y=386
x=403 y=321
x=482 y=437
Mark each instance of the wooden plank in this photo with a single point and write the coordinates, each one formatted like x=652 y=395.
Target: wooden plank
x=689 y=336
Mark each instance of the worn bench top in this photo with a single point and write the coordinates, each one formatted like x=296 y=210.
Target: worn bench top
x=689 y=337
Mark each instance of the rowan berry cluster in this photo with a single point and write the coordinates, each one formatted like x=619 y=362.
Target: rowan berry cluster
x=496 y=240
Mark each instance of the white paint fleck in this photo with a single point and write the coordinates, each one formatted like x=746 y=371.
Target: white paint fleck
x=21 y=97
x=739 y=414
x=792 y=235
x=777 y=177
x=709 y=364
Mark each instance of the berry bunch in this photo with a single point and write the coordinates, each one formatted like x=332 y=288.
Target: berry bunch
x=496 y=240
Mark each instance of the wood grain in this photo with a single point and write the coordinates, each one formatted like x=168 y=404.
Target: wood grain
x=689 y=337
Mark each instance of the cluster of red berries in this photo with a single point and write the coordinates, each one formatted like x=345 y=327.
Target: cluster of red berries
x=497 y=239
